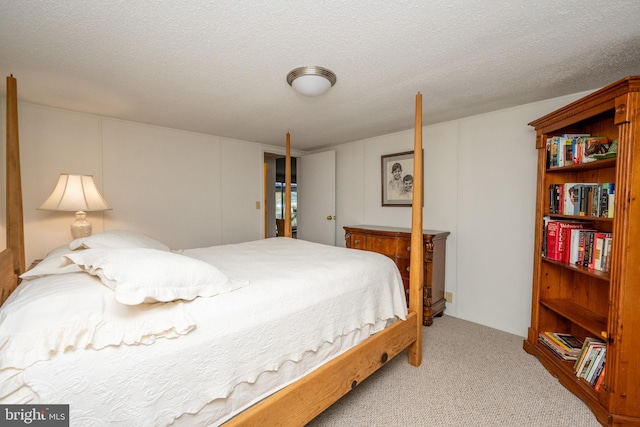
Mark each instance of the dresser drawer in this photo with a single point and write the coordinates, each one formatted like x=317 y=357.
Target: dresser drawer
x=403 y=248
x=381 y=245
x=358 y=241
x=403 y=266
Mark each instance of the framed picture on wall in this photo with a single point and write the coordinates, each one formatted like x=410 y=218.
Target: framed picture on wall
x=397 y=179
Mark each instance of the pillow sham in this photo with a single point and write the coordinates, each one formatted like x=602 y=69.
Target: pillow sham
x=141 y=275
x=51 y=264
x=59 y=313
x=113 y=239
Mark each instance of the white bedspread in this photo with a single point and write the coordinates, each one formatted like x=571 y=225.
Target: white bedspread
x=300 y=298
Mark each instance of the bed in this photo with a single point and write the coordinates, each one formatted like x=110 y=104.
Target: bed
x=213 y=342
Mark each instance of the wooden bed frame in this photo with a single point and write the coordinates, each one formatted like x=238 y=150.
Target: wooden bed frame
x=300 y=402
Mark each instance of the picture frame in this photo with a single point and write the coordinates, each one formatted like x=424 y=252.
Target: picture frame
x=397 y=179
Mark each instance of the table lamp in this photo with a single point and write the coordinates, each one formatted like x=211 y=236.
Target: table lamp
x=76 y=193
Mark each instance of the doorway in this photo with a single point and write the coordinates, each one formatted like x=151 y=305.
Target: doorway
x=274 y=194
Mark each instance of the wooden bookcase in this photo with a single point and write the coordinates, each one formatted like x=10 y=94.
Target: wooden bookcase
x=586 y=302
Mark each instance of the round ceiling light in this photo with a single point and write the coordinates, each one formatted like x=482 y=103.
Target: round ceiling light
x=311 y=80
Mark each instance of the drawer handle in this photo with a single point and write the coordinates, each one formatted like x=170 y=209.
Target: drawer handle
x=379 y=240
x=408 y=248
x=408 y=268
x=357 y=242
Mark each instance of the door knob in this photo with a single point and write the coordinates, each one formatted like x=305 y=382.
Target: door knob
x=330 y=217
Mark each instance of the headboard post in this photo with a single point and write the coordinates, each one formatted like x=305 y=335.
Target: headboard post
x=416 y=271
x=287 y=191
x=15 y=221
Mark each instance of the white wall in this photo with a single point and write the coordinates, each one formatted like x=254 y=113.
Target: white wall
x=183 y=188
x=192 y=190
x=53 y=142
x=241 y=178
x=480 y=183
x=157 y=189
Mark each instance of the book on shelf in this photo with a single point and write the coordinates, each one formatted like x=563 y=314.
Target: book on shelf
x=606 y=254
x=597 y=251
x=590 y=363
x=612 y=151
x=587 y=355
x=554 y=198
x=551 y=230
x=611 y=199
x=582 y=199
x=594 y=145
x=598 y=383
x=558 y=238
x=576 y=243
x=594 y=248
x=571 y=198
x=603 y=201
x=565 y=346
x=559 y=142
x=600 y=244
x=552 y=153
x=585 y=197
x=602 y=204
x=567 y=151
x=588 y=250
x=567 y=341
x=596 y=367
x=583 y=242
x=578 y=148
x=545 y=221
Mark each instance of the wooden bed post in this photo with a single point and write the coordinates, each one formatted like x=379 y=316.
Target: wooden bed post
x=287 y=190
x=15 y=222
x=416 y=273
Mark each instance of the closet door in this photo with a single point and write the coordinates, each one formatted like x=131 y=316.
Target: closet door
x=316 y=210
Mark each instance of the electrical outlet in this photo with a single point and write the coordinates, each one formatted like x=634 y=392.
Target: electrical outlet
x=448 y=297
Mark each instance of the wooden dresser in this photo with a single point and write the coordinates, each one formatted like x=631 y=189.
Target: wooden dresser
x=395 y=242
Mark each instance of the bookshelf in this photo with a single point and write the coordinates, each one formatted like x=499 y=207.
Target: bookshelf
x=581 y=301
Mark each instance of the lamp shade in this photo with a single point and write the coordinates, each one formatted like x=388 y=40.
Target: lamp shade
x=75 y=193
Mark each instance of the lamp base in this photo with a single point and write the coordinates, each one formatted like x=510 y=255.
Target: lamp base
x=81 y=227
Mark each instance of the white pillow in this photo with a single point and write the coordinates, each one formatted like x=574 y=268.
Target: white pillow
x=63 y=312
x=139 y=275
x=114 y=239
x=51 y=264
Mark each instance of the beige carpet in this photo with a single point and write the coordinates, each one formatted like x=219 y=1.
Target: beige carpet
x=471 y=375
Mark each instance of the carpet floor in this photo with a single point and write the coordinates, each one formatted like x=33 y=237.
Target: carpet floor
x=471 y=375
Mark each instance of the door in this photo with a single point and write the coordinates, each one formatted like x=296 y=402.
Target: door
x=316 y=174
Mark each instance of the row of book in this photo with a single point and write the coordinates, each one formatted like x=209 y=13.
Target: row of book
x=590 y=362
x=588 y=356
x=565 y=346
x=572 y=149
x=582 y=199
x=577 y=243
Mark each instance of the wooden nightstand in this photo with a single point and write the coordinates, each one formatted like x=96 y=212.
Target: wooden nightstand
x=395 y=243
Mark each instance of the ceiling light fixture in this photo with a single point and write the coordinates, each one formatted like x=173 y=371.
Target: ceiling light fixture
x=311 y=80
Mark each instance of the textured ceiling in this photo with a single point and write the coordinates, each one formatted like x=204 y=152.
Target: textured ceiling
x=220 y=67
